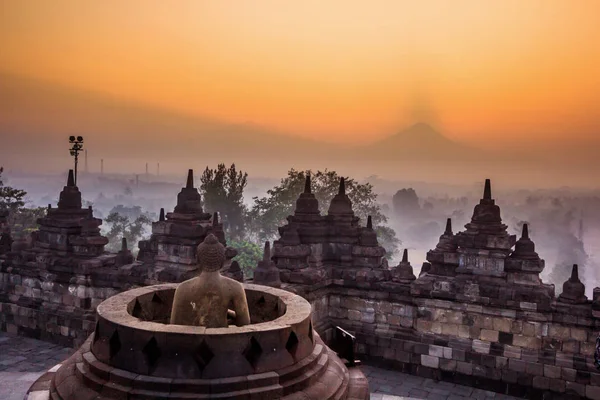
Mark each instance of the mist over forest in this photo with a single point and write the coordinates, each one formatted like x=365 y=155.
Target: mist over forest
x=563 y=222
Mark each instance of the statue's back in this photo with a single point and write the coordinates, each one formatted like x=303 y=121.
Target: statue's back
x=210 y=307
x=204 y=300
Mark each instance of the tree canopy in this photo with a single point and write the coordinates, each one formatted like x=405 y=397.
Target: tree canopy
x=24 y=221
x=11 y=199
x=406 y=202
x=249 y=254
x=271 y=211
x=222 y=189
x=122 y=226
x=21 y=220
x=130 y=212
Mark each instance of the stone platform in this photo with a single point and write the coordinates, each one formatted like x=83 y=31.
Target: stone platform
x=24 y=360
x=478 y=314
x=134 y=354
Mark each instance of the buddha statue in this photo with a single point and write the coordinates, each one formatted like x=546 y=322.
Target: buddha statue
x=206 y=299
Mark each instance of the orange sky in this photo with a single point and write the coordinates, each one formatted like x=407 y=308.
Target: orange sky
x=345 y=69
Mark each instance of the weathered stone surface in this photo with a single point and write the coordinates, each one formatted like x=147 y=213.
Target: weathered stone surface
x=403 y=272
x=314 y=247
x=497 y=319
x=266 y=272
x=170 y=253
x=485 y=244
x=60 y=278
x=134 y=355
x=573 y=290
x=480 y=310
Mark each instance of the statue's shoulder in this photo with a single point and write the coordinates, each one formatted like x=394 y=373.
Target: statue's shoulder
x=232 y=283
x=186 y=286
x=188 y=282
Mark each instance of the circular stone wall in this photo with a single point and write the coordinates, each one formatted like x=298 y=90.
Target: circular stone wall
x=134 y=354
x=156 y=305
x=128 y=336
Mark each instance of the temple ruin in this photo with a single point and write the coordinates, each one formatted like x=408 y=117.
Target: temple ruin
x=170 y=253
x=271 y=351
x=50 y=289
x=477 y=314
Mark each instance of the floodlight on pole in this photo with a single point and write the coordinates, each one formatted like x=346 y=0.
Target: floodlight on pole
x=77 y=146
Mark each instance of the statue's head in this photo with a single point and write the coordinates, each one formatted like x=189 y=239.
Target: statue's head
x=211 y=254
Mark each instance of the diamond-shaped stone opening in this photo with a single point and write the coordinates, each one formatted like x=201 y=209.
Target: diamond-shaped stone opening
x=202 y=355
x=97 y=331
x=292 y=344
x=114 y=344
x=310 y=332
x=253 y=352
x=137 y=309
x=152 y=352
x=156 y=299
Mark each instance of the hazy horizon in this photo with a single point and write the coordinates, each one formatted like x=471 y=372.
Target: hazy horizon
x=553 y=214
x=429 y=92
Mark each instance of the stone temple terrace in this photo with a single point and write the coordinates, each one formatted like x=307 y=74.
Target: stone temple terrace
x=478 y=314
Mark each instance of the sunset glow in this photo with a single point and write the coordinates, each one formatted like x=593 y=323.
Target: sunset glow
x=340 y=69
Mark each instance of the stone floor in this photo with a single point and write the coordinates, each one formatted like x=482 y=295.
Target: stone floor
x=391 y=385
x=23 y=360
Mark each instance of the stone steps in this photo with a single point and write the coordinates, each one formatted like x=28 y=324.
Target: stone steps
x=308 y=377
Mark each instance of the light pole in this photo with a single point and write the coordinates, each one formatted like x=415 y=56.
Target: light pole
x=77 y=143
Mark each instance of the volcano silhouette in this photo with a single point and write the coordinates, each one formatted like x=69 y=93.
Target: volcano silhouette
x=419 y=141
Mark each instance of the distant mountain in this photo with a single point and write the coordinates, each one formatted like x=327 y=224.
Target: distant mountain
x=43 y=113
x=419 y=142
x=37 y=116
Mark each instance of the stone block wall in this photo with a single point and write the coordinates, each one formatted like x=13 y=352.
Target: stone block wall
x=319 y=300
x=56 y=302
x=513 y=351
x=49 y=289
x=480 y=315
